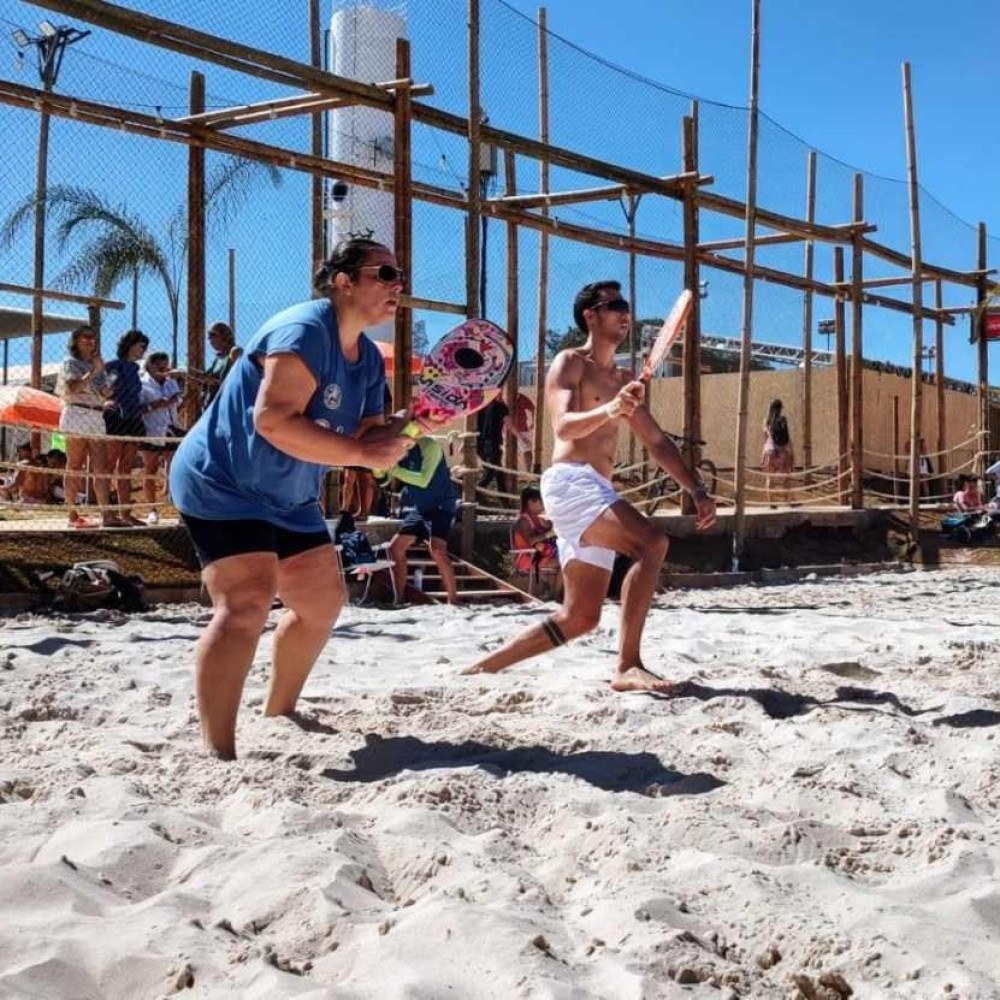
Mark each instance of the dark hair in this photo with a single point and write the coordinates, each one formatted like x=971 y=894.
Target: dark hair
x=224 y=328
x=156 y=357
x=25 y=446
x=129 y=339
x=529 y=493
x=55 y=452
x=588 y=297
x=348 y=255
x=774 y=411
x=74 y=337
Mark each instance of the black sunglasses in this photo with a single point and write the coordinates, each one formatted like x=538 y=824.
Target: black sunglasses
x=618 y=305
x=385 y=273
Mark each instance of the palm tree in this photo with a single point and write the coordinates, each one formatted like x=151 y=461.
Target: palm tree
x=119 y=245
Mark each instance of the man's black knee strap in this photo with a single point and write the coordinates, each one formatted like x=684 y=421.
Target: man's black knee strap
x=554 y=632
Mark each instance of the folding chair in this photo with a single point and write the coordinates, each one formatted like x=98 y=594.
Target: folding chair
x=367 y=571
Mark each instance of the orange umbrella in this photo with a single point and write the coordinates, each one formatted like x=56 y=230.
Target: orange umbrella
x=389 y=355
x=20 y=404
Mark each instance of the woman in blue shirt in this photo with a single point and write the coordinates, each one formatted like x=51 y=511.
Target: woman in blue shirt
x=123 y=419
x=306 y=394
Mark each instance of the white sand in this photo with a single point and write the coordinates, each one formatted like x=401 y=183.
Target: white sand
x=825 y=803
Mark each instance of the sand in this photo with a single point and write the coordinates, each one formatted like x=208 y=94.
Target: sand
x=816 y=811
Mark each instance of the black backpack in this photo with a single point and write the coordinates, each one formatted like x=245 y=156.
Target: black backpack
x=779 y=431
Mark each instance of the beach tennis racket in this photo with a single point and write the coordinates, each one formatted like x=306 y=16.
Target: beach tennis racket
x=672 y=328
x=462 y=374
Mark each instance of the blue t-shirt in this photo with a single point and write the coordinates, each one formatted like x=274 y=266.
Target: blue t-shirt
x=225 y=470
x=126 y=387
x=438 y=494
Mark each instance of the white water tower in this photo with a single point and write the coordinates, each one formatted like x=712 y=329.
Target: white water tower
x=363 y=48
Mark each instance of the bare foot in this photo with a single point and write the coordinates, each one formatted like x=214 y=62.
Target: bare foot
x=478 y=669
x=640 y=679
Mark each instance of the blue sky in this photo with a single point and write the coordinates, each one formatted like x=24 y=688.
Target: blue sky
x=830 y=79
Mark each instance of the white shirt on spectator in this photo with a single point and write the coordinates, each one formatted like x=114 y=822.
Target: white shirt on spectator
x=157 y=422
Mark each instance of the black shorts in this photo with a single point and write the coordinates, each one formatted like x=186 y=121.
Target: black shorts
x=119 y=426
x=215 y=540
x=427 y=524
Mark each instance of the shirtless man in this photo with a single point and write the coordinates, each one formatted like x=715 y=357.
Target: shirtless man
x=588 y=398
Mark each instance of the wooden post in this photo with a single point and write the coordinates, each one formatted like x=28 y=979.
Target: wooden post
x=318 y=224
x=982 y=355
x=94 y=320
x=840 y=363
x=631 y=205
x=895 y=448
x=232 y=300
x=917 y=385
x=748 y=279
x=510 y=458
x=691 y=365
x=470 y=477
x=942 y=418
x=543 y=243
x=857 y=351
x=195 y=252
x=38 y=280
x=402 y=378
x=807 y=318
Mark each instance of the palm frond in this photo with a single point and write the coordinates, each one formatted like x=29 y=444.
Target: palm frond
x=23 y=213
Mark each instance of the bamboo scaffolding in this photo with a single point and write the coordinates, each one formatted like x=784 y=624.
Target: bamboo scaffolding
x=402 y=377
x=739 y=460
x=982 y=352
x=857 y=353
x=916 y=382
x=612 y=192
x=691 y=364
x=631 y=207
x=57 y=296
x=807 y=315
x=543 y=242
x=939 y=372
x=195 y=253
x=513 y=317
x=761 y=241
x=317 y=224
x=840 y=365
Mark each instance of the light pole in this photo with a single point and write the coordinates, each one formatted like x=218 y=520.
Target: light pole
x=827 y=328
x=50 y=47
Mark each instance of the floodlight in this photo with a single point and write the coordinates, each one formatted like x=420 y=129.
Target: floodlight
x=21 y=38
x=48 y=29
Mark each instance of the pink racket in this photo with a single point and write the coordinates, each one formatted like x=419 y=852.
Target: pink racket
x=672 y=328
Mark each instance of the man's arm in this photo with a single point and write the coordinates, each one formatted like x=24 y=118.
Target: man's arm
x=563 y=380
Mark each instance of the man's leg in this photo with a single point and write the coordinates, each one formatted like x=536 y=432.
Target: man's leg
x=312 y=589
x=622 y=528
x=585 y=587
x=439 y=553
x=241 y=588
x=398 y=548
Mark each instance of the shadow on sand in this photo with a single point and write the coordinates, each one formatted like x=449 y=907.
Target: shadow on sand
x=609 y=770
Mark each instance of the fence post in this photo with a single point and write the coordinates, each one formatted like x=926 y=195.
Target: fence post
x=857 y=350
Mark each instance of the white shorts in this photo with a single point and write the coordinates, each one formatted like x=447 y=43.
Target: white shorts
x=82 y=420
x=575 y=495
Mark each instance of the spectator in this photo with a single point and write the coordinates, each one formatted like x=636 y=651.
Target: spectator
x=30 y=483
x=83 y=385
x=968 y=499
x=491 y=423
x=160 y=400
x=523 y=426
x=777 y=457
x=532 y=530
x=123 y=418
x=429 y=507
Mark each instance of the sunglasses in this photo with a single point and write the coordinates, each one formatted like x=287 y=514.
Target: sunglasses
x=618 y=305
x=386 y=273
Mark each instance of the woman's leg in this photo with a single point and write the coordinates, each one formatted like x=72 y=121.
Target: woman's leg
x=241 y=588
x=439 y=553
x=311 y=587
x=398 y=548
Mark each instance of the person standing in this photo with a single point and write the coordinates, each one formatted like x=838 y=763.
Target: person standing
x=777 y=457
x=588 y=398
x=123 y=418
x=429 y=507
x=491 y=422
x=82 y=385
x=160 y=400
x=306 y=394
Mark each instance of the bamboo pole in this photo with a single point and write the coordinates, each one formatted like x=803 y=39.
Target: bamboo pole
x=691 y=365
x=57 y=296
x=942 y=417
x=857 y=354
x=402 y=378
x=38 y=272
x=195 y=249
x=895 y=449
x=917 y=384
x=982 y=355
x=807 y=317
x=510 y=459
x=840 y=366
x=231 y=274
x=543 y=241
x=317 y=222
x=472 y=222
x=739 y=532
x=631 y=206
x=609 y=193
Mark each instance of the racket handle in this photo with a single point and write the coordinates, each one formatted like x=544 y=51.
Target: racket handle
x=412 y=430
